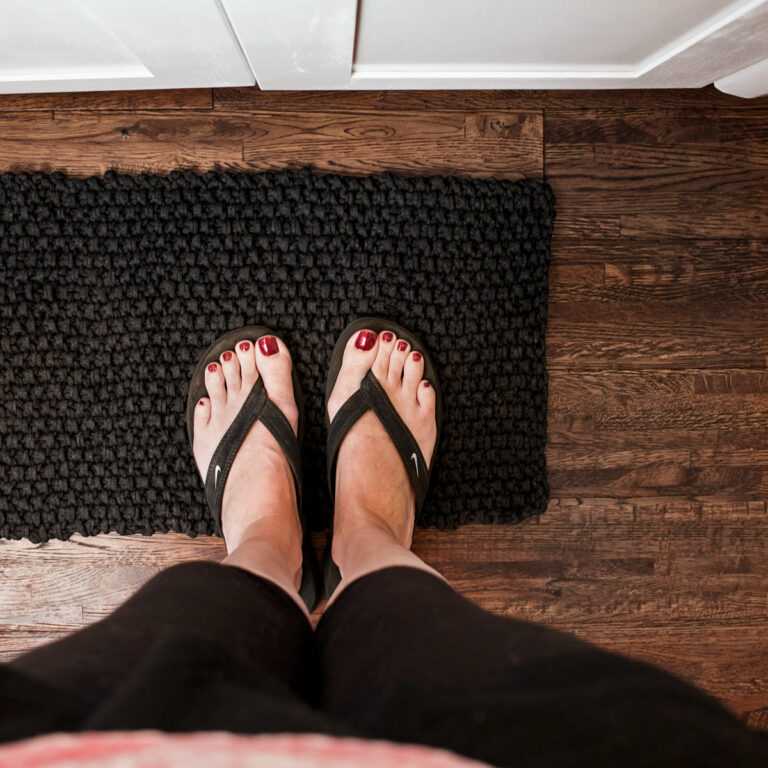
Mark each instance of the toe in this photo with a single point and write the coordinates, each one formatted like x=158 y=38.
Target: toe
x=230 y=366
x=413 y=372
x=202 y=413
x=214 y=383
x=200 y=420
x=359 y=356
x=274 y=364
x=380 y=366
x=397 y=360
x=247 y=360
x=426 y=396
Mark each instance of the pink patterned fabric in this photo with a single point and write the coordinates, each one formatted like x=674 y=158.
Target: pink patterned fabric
x=153 y=749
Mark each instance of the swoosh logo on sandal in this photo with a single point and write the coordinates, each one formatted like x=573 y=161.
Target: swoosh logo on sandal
x=416 y=462
x=216 y=477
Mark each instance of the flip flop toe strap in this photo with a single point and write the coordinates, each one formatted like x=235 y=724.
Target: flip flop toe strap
x=372 y=396
x=257 y=407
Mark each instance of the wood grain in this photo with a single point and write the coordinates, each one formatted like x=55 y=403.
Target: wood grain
x=84 y=143
x=635 y=303
x=629 y=434
x=683 y=98
x=660 y=173
x=655 y=540
x=181 y=98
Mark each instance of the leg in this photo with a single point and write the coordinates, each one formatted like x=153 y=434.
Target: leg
x=254 y=620
x=404 y=657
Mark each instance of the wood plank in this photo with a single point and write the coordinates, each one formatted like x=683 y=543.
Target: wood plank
x=628 y=434
x=180 y=98
x=679 y=341
x=706 y=272
x=663 y=174
x=571 y=225
x=636 y=420
x=677 y=583
x=83 y=143
x=654 y=127
x=579 y=169
x=715 y=222
x=662 y=479
x=504 y=145
x=656 y=304
x=681 y=98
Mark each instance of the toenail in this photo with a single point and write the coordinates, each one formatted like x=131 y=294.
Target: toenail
x=401 y=346
x=245 y=346
x=427 y=385
x=202 y=402
x=212 y=367
x=387 y=336
x=268 y=345
x=226 y=357
x=416 y=357
x=365 y=340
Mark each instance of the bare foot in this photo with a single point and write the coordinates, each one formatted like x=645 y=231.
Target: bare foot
x=260 y=497
x=372 y=486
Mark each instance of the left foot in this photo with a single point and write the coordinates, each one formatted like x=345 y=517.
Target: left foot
x=372 y=485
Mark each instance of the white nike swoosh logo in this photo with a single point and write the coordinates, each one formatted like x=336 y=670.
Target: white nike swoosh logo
x=216 y=477
x=416 y=462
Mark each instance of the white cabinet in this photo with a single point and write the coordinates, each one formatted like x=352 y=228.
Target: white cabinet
x=381 y=44
x=59 y=45
x=87 y=45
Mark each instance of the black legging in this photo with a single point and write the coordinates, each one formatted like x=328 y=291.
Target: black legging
x=398 y=656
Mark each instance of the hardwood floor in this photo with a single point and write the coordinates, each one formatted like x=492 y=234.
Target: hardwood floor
x=656 y=540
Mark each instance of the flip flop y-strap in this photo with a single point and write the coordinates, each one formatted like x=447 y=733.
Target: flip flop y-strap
x=257 y=407
x=372 y=397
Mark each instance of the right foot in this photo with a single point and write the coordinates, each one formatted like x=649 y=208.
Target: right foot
x=372 y=486
x=260 y=496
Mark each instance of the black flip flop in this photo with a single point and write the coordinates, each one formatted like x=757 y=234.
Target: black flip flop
x=257 y=407
x=371 y=396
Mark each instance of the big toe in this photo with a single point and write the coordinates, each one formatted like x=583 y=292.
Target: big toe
x=274 y=365
x=359 y=356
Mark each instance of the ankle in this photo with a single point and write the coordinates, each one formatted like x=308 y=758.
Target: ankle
x=273 y=516
x=269 y=531
x=362 y=533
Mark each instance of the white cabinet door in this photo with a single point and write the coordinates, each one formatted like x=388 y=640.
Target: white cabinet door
x=87 y=45
x=305 y=44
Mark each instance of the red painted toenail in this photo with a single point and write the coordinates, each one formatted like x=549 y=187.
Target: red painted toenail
x=365 y=340
x=245 y=346
x=268 y=345
x=226 y=357
x=416 y=357
x=387 y=336
x=202 y=402
x=427 y=385
x=212 y=367
x=402 y=346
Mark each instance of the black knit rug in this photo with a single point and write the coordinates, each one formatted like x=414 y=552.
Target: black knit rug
x=110 y=288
